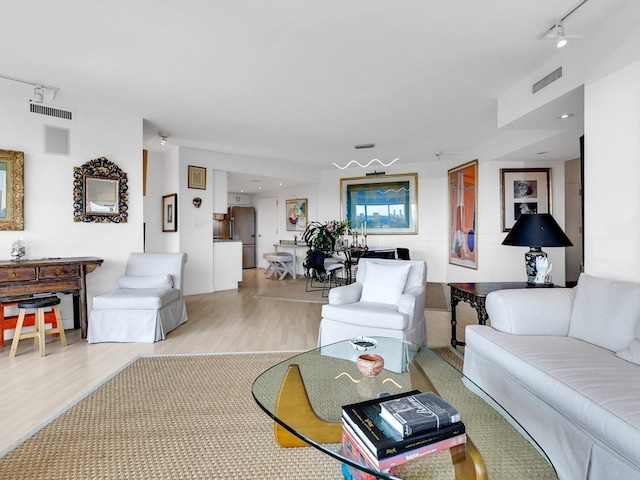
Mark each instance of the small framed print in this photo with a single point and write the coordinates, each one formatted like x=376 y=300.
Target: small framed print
x=197 y=177
x=170 y=213
x=524 y=190
x=296 y=215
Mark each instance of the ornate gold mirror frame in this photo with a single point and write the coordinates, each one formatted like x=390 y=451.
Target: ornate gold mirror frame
x=100 y=192
x=11 y=190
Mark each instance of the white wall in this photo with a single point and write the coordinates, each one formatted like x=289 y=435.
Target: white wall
x=612 y=175
x=50 y=230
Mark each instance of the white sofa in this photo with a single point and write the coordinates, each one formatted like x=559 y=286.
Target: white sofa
x=565 y=363
x=386 y=300
x=148 y=304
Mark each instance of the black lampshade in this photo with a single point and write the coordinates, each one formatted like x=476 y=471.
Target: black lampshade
x=537 y=230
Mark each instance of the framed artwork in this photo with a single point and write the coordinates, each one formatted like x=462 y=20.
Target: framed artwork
x=524 y=190
x=11 y=190
x=170 y=213
x=197 y=177
x=296 y=214
x=463 y=215
x=381 y=205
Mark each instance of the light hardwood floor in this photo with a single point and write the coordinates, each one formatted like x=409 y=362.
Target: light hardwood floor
x=34 y=388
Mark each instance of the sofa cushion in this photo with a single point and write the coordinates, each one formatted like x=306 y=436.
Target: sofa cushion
x=135 y=299
x=631 y=353
x=605 y=312
x=384 y=283
x=151 y=281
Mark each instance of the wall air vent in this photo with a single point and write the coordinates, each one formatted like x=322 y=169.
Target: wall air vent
x=57 y=112
x=548 y=80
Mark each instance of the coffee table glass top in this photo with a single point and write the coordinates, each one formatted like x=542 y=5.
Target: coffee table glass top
x=305 y=395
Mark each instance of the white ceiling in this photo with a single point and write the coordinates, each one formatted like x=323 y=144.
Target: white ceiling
x=298 y=82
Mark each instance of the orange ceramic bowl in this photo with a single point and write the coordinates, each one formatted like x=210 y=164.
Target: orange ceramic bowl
x=370 y=364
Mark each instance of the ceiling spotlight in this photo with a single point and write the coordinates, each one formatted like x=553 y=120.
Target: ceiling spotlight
x=561 y=40
x=565 y=116
x=163 y=138
x=38 y=94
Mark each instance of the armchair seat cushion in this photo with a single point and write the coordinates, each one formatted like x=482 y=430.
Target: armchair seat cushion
x=367 y=314
x=136 y=299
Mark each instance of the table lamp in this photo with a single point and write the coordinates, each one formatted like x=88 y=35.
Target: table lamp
x=536 y=230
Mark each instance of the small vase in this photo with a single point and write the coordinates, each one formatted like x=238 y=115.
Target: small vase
x=370 y=365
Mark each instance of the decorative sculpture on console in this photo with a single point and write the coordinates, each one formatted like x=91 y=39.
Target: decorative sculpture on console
x=543 y=269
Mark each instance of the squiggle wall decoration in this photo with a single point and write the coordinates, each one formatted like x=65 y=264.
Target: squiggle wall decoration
x=384 y=191
x=365 y=166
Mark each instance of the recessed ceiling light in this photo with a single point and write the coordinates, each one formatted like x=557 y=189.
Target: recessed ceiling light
x=565 y=115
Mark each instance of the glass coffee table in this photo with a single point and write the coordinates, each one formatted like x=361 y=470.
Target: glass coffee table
x=304 y=395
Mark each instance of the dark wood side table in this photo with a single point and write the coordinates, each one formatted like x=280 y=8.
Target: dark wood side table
x=475 y=294
x=50 y=275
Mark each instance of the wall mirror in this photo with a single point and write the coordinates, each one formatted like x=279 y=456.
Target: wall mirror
x=100 y=192
x=11 y=190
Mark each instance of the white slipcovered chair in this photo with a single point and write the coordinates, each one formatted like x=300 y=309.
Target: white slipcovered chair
x=386 y=300
x=148 y=304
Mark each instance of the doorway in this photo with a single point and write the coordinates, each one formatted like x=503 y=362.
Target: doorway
x=574 y=217
x=267 y=228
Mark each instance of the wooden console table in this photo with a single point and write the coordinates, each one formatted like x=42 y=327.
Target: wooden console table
x=475 y=294
x=50 y=275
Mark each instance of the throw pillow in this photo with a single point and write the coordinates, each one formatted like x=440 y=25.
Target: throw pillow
x=384 y=283
x=605 y=312
x=631 y=353
x=151 y=281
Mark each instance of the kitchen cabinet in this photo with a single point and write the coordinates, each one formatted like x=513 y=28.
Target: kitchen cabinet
x=239 y=199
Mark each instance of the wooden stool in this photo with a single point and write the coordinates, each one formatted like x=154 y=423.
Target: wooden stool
x=279 y=264
x=38 y=304
x=8 y=322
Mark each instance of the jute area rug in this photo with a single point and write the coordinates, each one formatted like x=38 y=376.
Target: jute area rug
x=182 y=417
x=295 y=291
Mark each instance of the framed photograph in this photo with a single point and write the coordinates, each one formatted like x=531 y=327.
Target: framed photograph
x=381 y=205
x=296 y=214
x=170 y=213
x=197 y=177
x=524 y=190
x=463 y=215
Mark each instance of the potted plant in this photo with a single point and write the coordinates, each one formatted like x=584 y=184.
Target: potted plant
x=323 y=237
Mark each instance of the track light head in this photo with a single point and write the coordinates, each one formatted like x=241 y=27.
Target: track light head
x=38 y=94
x=163 y=138
x=561 y=40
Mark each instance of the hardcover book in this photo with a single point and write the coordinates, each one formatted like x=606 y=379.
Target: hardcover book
x=380 y=438
x=417 y=413
x=359 y=452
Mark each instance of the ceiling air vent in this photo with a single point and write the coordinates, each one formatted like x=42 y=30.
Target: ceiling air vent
x=548 y=80
x=57 y=112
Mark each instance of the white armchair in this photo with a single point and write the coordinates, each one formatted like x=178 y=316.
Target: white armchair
x=148 y=304
x=386 y=300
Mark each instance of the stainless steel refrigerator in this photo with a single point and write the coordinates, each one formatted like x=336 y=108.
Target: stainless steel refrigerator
x=243 y=228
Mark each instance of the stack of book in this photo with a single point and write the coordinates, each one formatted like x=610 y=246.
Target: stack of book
x=383 y=433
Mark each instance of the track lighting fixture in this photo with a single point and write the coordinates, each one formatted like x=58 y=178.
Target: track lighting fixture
x=38 y=94
x=560 y=37
x=163 y=138
x=561 y=40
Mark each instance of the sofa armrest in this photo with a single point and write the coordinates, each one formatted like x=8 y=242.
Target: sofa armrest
x=346 y=294
x=531 y=311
